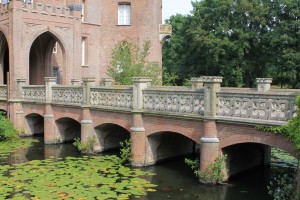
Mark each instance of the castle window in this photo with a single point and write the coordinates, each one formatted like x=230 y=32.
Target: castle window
x=84 y=51
x=82 y=10
x=124 y=14
x=55 y=48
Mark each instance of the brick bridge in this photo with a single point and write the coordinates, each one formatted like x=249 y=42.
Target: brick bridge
x=162 y=122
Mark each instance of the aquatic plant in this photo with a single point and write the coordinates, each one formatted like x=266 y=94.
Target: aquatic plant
x=87 y=147
x=214 y=172
x=97 y=177
x=125 y=152
x=282 y=187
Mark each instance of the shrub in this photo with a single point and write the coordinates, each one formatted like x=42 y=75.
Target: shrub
x=87 y=147
x=7 y=130
x=125 y=152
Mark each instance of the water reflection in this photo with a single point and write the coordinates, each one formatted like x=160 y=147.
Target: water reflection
x=175 y=179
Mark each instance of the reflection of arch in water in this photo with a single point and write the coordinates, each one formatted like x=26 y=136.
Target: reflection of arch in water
x=165 y=145
x=67 y=129
x=109 y=136
x=40 y=55
x=4 y=58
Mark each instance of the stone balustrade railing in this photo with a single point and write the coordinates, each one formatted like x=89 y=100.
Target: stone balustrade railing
x=114 y=97
x=173 y=100
x=68 y=95
x=34 y=93
x=3 y=92
x=205 y=99
x=273 y=106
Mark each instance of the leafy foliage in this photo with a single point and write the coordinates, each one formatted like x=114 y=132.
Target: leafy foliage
x=291 y=131
x=7 y=130
x=125 y=152
x=214 y=173
x=282 y=187
x=87 y=147
x=129 y=60
x=239 y=40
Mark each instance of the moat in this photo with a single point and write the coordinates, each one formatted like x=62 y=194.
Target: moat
x=174 y=179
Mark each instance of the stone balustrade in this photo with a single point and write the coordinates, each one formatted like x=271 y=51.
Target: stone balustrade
x=113 y=97
x=173 y=100
x=272 y=107
x=35 y=93
x=203 y=100
x=68 y=95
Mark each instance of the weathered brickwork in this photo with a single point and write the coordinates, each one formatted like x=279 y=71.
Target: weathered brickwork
x=31 y=30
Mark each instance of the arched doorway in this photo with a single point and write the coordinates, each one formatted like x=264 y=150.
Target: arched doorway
x=46 y=59
x=4 y=59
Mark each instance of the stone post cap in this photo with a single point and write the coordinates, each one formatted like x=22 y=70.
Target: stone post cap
x=107 y=79
x=212 y=79
x=264 y=80
x=88 y=79
x=141 y=79
x=21 y=79
x=197 y=79
x=50 y=79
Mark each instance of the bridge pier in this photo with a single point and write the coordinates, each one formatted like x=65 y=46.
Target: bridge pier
x=87 y=128
x=139 y=143
x=49 y=123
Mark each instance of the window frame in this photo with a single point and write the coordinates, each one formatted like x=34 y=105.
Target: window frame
x=124 y=13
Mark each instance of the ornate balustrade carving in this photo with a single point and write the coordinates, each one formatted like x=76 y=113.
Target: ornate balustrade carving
x=247 y=105
x=67 y=95
x=115 y=97
x=176 y=102
x=34 y=93
x=3 y=92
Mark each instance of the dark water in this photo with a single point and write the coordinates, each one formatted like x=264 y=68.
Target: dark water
x=176 y=180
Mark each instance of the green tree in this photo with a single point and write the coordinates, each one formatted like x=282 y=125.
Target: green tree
x=238 y=39
x=129 y=60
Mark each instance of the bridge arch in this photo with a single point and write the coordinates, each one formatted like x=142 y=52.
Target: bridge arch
x=165 y=144
x=67 y=129
x=47 y=57
x=4 y=58
x=34 y=124
x=268 y=139
x=109 y=136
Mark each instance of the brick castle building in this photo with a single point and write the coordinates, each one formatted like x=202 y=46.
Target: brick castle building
x=71 y=39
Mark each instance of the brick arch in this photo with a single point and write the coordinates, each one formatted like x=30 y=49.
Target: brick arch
x=34 y=124
x=269 y=139
x=109 y=136
x=67 y=129
x=41 y=60
x=36 y=109
x=4 y=57
x=191 y=129
x=121 y=119
x=67 y=112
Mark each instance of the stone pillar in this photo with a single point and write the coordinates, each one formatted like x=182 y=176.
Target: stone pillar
x=209 y=142
x=50 y=136
x=139 y=142
x=87 y=128
x=263 y=84
x=197 y=83
x=106 y=82
x=18 y=113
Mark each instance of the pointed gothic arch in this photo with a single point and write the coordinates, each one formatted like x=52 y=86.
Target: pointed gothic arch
x=4 y=58
x=43 y=62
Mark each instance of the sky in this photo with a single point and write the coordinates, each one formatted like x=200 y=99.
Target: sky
x=172 y=7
